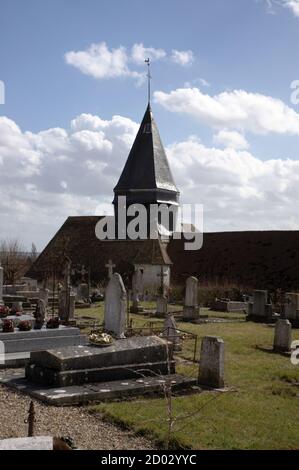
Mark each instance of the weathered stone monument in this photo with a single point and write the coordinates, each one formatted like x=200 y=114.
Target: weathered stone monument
x=282 y=336
x=211 y=368
x=191 y=307
x=43 y=294
x=171 y=333
x=260 y=310
x=161 y=306
x=291 y=307
x=115 y=306
x=66 y=298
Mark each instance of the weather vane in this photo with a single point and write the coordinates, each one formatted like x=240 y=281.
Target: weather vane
x=147 y=61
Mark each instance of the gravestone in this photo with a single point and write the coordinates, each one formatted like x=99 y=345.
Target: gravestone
x=161 y=306
x=191 y=307
x=83 y=292
x=66 y=298
x=211 y=372
x=40 y=314
x=1 y=284
x=282 y=336
x=43 y=294
x=291 y=308
x=259 y=303
x=171 y=333
x=115 y=306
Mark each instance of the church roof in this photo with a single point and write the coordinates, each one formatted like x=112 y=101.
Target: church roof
x=77 y=240
x=147 y=168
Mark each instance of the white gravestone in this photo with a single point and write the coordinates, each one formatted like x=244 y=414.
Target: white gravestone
x=211 y=368
x=115 y=306
x=191 y=308
x=282 y=336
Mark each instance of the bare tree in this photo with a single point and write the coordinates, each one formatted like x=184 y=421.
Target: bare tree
x=13 y=259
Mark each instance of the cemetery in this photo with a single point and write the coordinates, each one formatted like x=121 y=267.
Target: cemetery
x=158 y=306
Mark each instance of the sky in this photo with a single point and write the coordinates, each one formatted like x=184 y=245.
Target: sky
x=73 y=91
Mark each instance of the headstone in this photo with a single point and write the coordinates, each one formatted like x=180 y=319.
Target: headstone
x=191 y=307
x=161 y=306
x=83 y=292
x=211 y=372
x=110 y=266
x=171 y=333
x=259 y=303
x=66 y=305
x=282 y=336
x=115 y=306
x=66 y=296
x=291 y=308
x=40 y=314
x=1 y=284
x=44 y=295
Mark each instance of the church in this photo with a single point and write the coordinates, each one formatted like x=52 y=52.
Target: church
x=255 y=259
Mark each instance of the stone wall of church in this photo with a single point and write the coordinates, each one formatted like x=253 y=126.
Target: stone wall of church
x=151 y=276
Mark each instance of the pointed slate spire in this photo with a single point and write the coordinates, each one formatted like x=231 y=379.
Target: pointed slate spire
x=146 y=177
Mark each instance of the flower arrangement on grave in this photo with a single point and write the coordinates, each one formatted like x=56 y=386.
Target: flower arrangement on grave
x=8 y=326
x=25 y=325
x=100 y=339
x=53 y=322
x=4 y=311
x=15 y=311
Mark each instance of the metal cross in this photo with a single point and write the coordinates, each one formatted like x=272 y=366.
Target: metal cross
x=110 y=267
x=147 y=61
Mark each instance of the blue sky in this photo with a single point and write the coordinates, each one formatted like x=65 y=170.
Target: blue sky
x=243 y=45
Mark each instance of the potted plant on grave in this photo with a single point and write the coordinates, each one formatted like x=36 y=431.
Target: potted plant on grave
x=8 y=326
x=4 y=311
x=53 y=322
x=25 y=325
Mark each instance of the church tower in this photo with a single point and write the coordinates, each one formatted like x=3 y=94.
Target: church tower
x=146 y=178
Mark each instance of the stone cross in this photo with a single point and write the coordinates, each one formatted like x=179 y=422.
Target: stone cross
x=110 y=267
x=211 y=366
x=115 y=306
x=161 y=275
x=282 y=336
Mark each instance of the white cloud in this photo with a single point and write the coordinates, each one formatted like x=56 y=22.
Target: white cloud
x=231 y=139
x=139 y=53
x=292 y=5
x=182 y=57
x=100 y=62
x=235 y=109
x=238 y=191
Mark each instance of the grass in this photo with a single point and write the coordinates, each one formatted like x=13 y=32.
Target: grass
x=259 y=412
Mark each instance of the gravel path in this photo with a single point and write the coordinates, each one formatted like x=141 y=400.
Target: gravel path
x=87 y=431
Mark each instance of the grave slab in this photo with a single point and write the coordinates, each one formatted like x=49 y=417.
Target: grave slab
x=97 y=392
